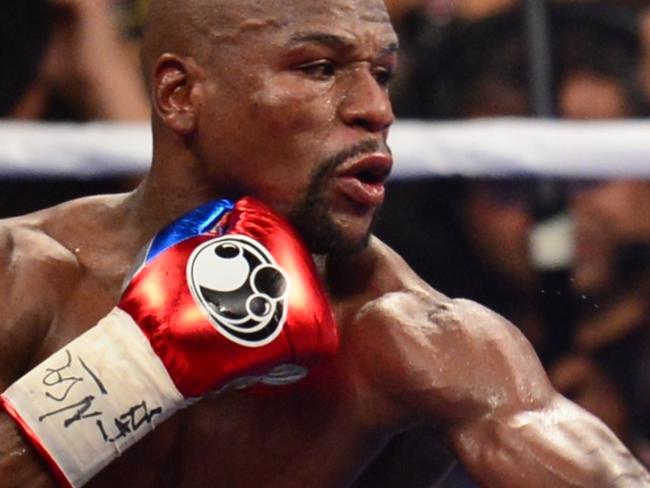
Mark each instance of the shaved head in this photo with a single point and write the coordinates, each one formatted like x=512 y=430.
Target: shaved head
x=189 y=27
x=195 y=27
x=174 y=26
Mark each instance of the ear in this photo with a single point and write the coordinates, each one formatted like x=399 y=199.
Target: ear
x=175 y=90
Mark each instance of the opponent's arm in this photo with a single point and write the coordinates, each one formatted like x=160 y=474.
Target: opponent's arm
x=224 y=297
x=455 y=364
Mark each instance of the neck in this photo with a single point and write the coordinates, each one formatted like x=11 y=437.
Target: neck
x=349 y=274
x=174 y=186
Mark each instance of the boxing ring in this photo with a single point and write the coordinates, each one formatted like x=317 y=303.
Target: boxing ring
x=494 y=148
x=501 y=147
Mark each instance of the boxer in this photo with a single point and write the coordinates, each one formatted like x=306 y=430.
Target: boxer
x=286 y=102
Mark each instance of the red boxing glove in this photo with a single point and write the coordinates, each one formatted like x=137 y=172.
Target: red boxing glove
x=227 y=295
x=235 y=301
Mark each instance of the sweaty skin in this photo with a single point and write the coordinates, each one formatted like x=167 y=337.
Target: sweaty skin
x=287 y=101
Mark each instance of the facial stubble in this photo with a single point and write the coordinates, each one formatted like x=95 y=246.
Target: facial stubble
x=312 y=216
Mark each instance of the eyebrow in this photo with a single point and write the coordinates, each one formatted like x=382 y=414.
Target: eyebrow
x=332 y=40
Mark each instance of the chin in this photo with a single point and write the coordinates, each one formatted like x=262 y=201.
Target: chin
x=337 y=243
x=329 y=230
x=324 y=236
x=353 y=233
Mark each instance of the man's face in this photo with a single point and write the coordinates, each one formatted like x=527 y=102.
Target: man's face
x=297 y=113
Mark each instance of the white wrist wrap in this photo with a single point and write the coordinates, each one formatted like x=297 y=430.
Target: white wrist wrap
x=96 y=397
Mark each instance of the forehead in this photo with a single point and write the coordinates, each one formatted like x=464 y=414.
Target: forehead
x=373 y=11
x=286 y=17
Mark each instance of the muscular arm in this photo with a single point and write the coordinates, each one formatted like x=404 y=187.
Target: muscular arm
x=554 y=444
x=458 y=365
x=533 y=436
x=20 y=464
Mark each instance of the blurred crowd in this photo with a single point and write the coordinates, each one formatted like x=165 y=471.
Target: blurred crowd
x=70 y=61
x=588 y=318
x=73 y=60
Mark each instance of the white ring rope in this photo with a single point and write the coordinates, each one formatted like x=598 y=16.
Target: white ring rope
x=488 y=147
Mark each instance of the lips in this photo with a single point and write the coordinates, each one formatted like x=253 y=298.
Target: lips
x=362 y=179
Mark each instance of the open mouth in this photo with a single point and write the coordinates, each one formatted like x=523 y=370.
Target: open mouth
x=370 y=168
x=374 y=176
x=362 y=179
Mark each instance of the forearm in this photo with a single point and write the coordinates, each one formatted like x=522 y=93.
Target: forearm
x=20 y=463
x=89 y=402
x=560 y=446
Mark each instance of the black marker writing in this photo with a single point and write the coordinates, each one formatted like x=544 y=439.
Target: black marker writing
x=130 y=421
x=55 y=377
x=63 y=375
x=81 y=408
x=94 y=377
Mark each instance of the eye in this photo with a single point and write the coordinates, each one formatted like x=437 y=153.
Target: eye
x=384 y=75
x=321 y=69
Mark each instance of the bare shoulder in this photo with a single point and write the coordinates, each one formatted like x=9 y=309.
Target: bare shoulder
x=444 y=359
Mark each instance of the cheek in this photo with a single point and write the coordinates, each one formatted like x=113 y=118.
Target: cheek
x=291 y=127
x=289 y=108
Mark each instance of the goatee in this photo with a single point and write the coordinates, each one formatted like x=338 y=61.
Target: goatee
x=312 y=216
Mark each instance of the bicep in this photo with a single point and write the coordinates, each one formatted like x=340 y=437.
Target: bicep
x=444 y=361
x=521 y=431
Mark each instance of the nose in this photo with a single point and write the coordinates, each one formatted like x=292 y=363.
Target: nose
x=366 y=104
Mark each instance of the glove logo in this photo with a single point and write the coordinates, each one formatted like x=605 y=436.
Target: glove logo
x=242 y=289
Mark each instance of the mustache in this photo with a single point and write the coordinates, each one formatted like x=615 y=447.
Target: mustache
x=329 y=165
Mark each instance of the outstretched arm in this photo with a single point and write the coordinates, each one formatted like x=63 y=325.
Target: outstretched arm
x=555 y=444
